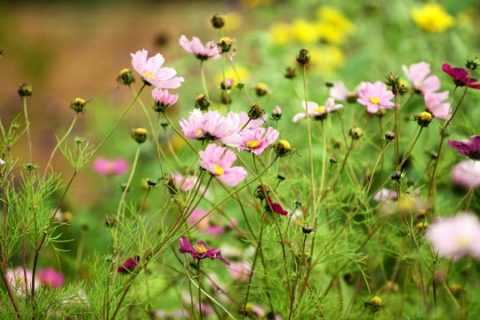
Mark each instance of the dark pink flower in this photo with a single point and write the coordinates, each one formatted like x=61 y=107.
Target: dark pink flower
x=469 y=148
x=129 y=265
x=460 y=77
x=200 y=250
x=51 y=278
x=107 y=167
x=275 y=207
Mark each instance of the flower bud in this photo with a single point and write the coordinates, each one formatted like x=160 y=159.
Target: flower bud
x=24 y=90
x=125 y=77
x=129 y=265
x=225 y=44
x=262 y=191
x=78 y=105
x=423 y=118
x=403 y=87
x=389 y=135
x=281 y=177
x=255 y=112
x=303 y=57
x=217 y=21
x=355 y=133
x=226 y=84
x=307 y=229
x=151 y=183
x=290 y=73
x=139 y=134
x=374 y=304
x=392 y=79
x=202 y=102
x=282 y=148
x=473 y=63
x=110 y=222
x=333 y=160
x=421 y=226
x=276 y=113
x=261 y=89
x=396 y=176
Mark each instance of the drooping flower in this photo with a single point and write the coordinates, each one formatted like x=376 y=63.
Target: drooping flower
x=258 y=139
x=201 y=220
x=385 y=195
x=163 y=99
x=218 y=161
x=107 y=167
x=50 y=278
x=200 y=250
x=432 y=18
x=436 y=105
x=469 y=148
x=466 y=174
x=460 y=77
x=129 y=265
x=20 y=280
x=422 y=81
x=375 y=96
x=152 y=72
x=316 y=111
x=455 y=237
x=240 y=271
x=274 y=207
x=198 y=49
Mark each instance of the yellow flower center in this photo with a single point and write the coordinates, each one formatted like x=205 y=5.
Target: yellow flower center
x=375 y=100
x=200 y=248
x=148 y=75
x=198 y=132
x=320 y=109
x=253 y=144
x=218 y=170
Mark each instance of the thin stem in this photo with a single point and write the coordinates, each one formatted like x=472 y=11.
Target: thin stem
x=204 y=80
x=27 y=125
x=129 y=181
x=179 y=133
x=9 y=291
x=199 y=290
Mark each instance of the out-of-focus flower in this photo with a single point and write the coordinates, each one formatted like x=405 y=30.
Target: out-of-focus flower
x=276 y=113
x=239 y=72
x=467 y=174
x=436 y=105
x=280 y=33
x=152 y=72
x=175 y=314
x=258 y=139
x=432 y=18
x=332 y=26
x=455 y=237
x=375 y=96
x=183 y=183
x=385 y=195
x=198 y=49
x=419 y=76
x=339 y=92
x=50 y=278
x=200 y=250
x=304 y=31
x=2 y=162
x=20 y=280
x=460 y=77
x=255 y=310
x=274 y=207
x=240 y=271
x=107 y=167
x=233 y=21
x=129 y=265
x=469 y=148
x=200 y=218
x=315 y=111
x=218 y=161
x=327 y=59
x=163 y=99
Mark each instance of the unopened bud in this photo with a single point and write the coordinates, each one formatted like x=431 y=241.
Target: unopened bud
x=217 y=21
x=202 y=102
x=374 y=304
x=225 y=44
x=276 y=113
x=255 y=112
x=261 y=89
x=262 y=191
x=290 y=73
x=226 y=84
x=24 y=90
x=307 y=229
x=125 y=77
x=139 y=134
x=389 y=135
x=355 y=133
x=303 y=57
x=423 y=118
x=78 y=105
x=282 y=148
x=473 y=63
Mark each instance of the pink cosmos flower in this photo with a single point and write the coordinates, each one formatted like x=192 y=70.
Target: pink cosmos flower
x=200 y=51
x=460 y=77
x=455 y=237
x=20 y=280
x=419 y=75
x=316 y=111
x=385 y=195
x=257 y=140
x=152 y=72
x=129 y=265
x=51 y=278
x=339 y=91
x=200 y=250
x=469 y=148
x=375 y=96
x=240 y=271
x=163 y=99
x=183 y=183
x=436 y=105
x=218 y=161
x=210 y=125
x=107 y=167
x=200 y=218
x=2 y=162
x=467 y=174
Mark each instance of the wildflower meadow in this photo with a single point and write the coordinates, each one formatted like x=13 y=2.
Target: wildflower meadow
x=240 y=160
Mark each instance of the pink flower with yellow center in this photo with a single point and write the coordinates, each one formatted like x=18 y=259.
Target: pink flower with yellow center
x=200 y=250
x=163 y=99
x=152 y=71
x=198 y=49
x=375 y=96
x=436 y=104
x=257 y=140
x=218 y=161
x=419 y=76
x=466 y=174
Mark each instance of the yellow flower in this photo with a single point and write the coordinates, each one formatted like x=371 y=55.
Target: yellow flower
x=327 y=59
x=304 y=31
x=335 y=18
x=255 y=3
x=280 y=33
x=241 y=73
x=432 y=18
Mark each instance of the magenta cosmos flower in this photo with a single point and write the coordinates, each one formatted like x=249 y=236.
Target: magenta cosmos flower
x=210 y=125
x=436 y=104
x=218 y=161
x=198 y=49
x=50 y=278
x=200 y=250
x=460 y=77
x=375 y=96
x=316 y=111
x=163 y=99
x=107 y=167
x=419 y=76
x=469 y=148
x=257 y=140
x=274 y=207
x=466 y=174
x=152 y=72
x=455 y=237
x=201 y=220
x=129 y=265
